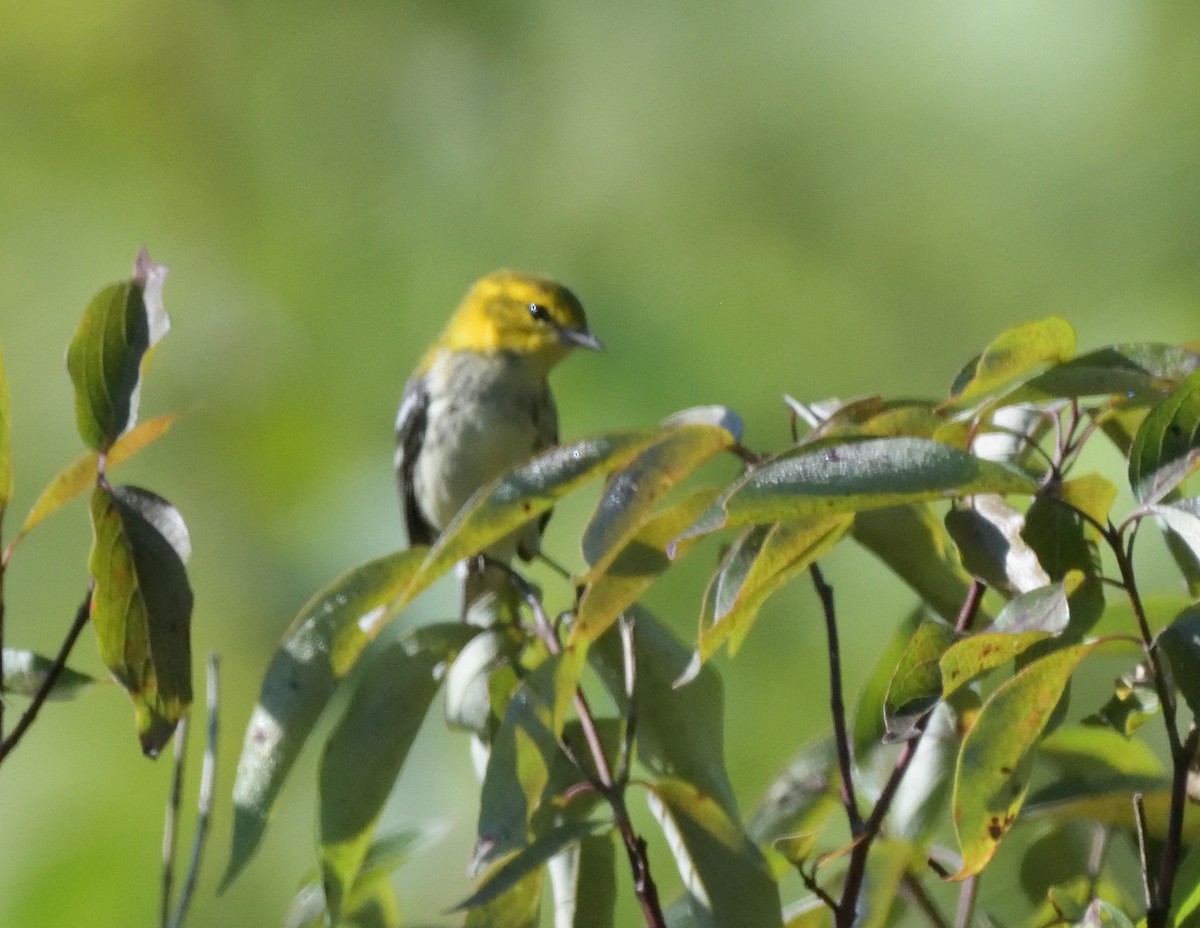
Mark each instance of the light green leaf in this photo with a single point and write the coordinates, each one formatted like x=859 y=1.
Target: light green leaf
x=25 y=672
x=318 y=649
x=468 y=684
x=887 y=866
x=584 y=880
x=1187 y=895
x=759 y=564
x=370 y=744
x=1133 y=703
x=830 y=478
x=913 y=542
x=1091 y=494
x=513 y=499
x=992 y=776
x=680 y=731
x=916 y=684
x=1088 y=752
x=638 y=565
x=1167 y=446
x=1094 y=804
x=982 y=652
x=801 y=799
x=6 y=473
x=120 y=325
x=529 y=859
x=633 y=491
x=142 y=605
x=80 y=474
x=725 y=876
x=1016 y=353
x=519 y=907
x=868 y=727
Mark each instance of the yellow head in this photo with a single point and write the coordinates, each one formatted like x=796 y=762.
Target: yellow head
x=524 y=314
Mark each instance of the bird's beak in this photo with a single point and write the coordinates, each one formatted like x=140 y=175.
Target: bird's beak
x=580 y=338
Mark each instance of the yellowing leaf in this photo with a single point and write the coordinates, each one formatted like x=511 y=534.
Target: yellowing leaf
x=1020 y=351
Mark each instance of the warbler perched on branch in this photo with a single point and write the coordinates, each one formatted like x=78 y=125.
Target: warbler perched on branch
x=478 y=404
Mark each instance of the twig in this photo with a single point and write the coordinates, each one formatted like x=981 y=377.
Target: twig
x=810 y=882
x=837 y=706
x=921 y=899
x=171 y=821
x=1139 y=816
x=966 y=902
x=970 y=606
x=208 y=777
x=82 y=614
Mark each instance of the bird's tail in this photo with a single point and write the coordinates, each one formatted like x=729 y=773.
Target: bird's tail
x=489 y=593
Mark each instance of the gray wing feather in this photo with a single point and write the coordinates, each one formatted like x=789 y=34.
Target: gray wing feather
x=411 y=422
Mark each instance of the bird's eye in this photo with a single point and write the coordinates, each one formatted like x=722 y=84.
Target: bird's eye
x=539 y=312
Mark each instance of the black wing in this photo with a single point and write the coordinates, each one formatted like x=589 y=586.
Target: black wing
x=410 y=433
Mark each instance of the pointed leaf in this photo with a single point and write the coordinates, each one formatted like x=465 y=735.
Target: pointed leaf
x=1167 y=446
x=6 y=474
x=1065 y=542
x=992 y=776
x=1181 y=642
x=988 y=535
x=634 y=490
x=118 y=328
x=767 y=559
x=868 y=728
x=529 y=859
x=1016 y=354
x=916 y=684
x=80 y=474
x=510 y=501
x=370 y=744
x=1088 y=752
x=1133 y=703
x=519 y=907
x=637 y=566
x=142 y=605
x=1091 y=494
x=321 y=646
x=824 y=479
x=25 y=672
x=725 y=876
x=584 y=881
x=914 y=544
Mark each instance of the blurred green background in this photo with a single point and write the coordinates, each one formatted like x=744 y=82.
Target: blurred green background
x=804 y=197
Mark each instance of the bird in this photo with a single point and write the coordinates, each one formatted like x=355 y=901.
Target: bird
x=477 y=405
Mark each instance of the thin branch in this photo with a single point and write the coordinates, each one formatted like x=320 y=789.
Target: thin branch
x=966 y=902
x=82 y=614
x=208 y=777
x=171 y=822
x=1168 y=864
x=911 y=886
x=1139 y=816
x=837 y=706
x=810 y=882
x=970 y=606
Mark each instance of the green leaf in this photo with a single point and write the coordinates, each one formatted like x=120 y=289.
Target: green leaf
x=982 y=652
x=638 y=565
x=1091 y=494
x=1064 y=542
x=80 y=474
x=1186 y=898
x=469 y=681
x=25 y=672
x=916 y=684
x=1101 y=914
x=318 y=649
x=831 y=478
x=758 y=564
x=1095 y=804
x=120 y=325
x=868 y=727
x=988 y=535
x=529 y=859
x=801 y=799
x=519 y=907
x=889 y=862
x=142 y=605
x=6 y=474
x=992 y=776
x=680 y=731
x=1016 y=354
x=513 y=499
x=725 y=877
x=584 y=881
x=912 y=541
x=634 y=490
x=1180 y=522
x=370 y=744
x=1100 y=754
x=1167 y=446
x=1133 y=703
x=1180 y=641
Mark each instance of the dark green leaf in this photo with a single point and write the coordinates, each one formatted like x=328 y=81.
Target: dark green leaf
x=529 y=859
x=515 y=498
x=832 y=477
x=1133 y=703
x=584 y=880
x=757 y=565
x=725 y=877
x=1064 y=542
x=992 y=776
x=118 y=328
x=368 y=748
x=916 y=684
x=638 y=565
x=1167 y=446
x=319 y=648
x=1180 y=641
x=25 y=672
x=632 y=492
x=1138 y=372
x=988 y=534
x=680 y=731
x=142 y=605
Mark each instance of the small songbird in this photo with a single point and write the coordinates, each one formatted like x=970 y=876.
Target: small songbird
x=478 y=404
